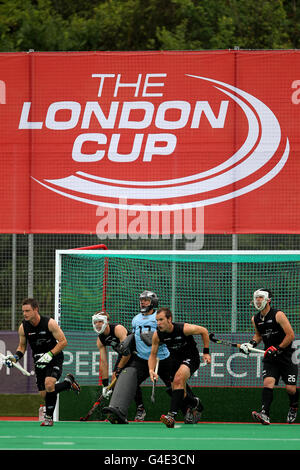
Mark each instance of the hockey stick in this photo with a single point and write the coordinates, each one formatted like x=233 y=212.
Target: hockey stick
x=154 y=382
x=17 y=366
x=229 y=343
x=98 y=401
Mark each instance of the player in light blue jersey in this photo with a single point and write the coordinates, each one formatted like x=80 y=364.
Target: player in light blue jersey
x=143 y=327
x=136 y=371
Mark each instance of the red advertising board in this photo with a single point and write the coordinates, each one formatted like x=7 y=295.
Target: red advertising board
x=109 y=141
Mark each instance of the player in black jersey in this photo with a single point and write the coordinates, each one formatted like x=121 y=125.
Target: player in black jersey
x=112 y=335
x=185 y=360
x=274 y=329
x=47 y=342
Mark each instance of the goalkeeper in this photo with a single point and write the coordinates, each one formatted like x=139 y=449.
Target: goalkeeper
x=274 y=329
x=47 y=342
x=110 y=334
x=138 y=346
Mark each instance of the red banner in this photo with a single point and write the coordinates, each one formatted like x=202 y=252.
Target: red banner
x=150 y=142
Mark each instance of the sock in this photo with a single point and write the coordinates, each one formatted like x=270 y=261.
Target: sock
x=50 y=402
x=189 y=402
x=267 y=398
x=294 y=399
x=176 y=400
x=60 y=387
x=139 y=398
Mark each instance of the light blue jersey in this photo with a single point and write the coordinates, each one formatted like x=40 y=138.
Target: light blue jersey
x=143 y=324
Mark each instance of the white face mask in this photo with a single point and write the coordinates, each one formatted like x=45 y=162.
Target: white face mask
x=99 y=317
x=261 y=304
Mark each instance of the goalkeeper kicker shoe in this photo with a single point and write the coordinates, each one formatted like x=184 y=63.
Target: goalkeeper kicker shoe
x=48 y=421
x=168 y=420
x=114 y=415
x=261 y=417
x=292 y=415
x=74 y=385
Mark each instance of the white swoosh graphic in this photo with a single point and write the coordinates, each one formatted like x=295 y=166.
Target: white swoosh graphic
x=167 y=207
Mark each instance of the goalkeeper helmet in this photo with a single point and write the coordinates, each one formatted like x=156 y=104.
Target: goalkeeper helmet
x=265 y=294
x=100 y=316
x=147 y=294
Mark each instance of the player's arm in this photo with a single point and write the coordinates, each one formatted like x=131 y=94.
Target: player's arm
x=58 y=335
x=22 y=340
x=103 y=360
x=189 y=329
x=20 y=351
x=257 y=336
x=153 y=356
x=244 y=348
x=121 y=334
x=281 y=318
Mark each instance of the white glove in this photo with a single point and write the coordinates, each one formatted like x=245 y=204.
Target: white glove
x=10 y=359
x=44 y=360
x=106 y=393
x=244 y=348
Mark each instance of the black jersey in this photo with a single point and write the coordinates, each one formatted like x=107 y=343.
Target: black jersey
x=40 y=339
x=110 y=339
x=270 y=331
x=177 y=342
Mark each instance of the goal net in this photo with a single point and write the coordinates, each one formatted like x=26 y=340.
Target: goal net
x=212 y=289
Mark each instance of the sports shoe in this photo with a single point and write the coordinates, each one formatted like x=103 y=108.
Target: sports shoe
x=48 y=421
x=193 y=415
x=168 y=420
x=114 y=415
x=74 y=385
x=261 y=417
x=140 y=414
x=292 y=415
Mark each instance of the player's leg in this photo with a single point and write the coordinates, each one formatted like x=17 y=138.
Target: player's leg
x=178 y=394
x=293 y=395
x=140 y=408
x=289 y=376
x=191 y=404
x=53 y=387
x=263 y=416
x=50 y=401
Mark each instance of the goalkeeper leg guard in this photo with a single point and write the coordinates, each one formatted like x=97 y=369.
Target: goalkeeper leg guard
x=115 y=416
x=124 y=391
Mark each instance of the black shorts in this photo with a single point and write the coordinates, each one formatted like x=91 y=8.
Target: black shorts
x=190 y=359
x=54 y=369
x=281 y=367
x=141 y=365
